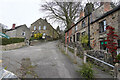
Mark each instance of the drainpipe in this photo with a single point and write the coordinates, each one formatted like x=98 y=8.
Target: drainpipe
x=89 y=31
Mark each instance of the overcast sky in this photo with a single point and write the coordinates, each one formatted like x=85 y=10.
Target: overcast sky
x=21 y=12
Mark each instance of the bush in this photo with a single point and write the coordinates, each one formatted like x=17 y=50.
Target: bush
x=87 y=71
x=32 y=38
x=6 y=41
x=38 y=36
x=118 y=56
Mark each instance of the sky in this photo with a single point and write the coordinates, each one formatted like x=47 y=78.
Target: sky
x=22 y=12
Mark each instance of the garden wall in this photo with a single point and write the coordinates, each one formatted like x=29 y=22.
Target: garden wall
x=12 y=46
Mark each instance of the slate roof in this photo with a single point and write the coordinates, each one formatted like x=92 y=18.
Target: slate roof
x=15 y=28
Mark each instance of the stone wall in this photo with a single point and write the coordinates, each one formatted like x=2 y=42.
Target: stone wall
x=102 y=55
x=18 y=31
x=49 y=31
x=95 y=36
x=12 y=46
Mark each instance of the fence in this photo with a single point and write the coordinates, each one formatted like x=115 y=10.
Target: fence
x=116 y=67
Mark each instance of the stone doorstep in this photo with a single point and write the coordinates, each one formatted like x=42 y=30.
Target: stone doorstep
x=98 y=73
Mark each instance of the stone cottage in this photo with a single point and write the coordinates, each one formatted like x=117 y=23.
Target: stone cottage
x=21 y=31
x=98 y=28
x=42 y=26
x=104 y=15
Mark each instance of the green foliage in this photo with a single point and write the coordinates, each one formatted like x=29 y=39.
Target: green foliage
x=71 y=50
x=32 y=38
x=38 y=36
x=84 y=39
x=118 y=56
x=86 y=71
x=6 y=41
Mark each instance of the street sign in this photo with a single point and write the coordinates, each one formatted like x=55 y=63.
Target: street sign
x=4 y=35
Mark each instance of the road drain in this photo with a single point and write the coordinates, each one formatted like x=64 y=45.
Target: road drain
x=27 y=69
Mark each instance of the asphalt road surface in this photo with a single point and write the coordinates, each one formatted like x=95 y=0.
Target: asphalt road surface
x=43 y=60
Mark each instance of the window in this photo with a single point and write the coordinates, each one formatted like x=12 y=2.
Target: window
x=83 y=23
x=39 y=27
x=67 y=40
x=68 y=33
x=73 y=38
x=83 y=33
x=78 y=36
x=102 y=26
x=34 y=27
x=119 y=43
x=70 y=39
x=75 y=28
x=23 y=34
x=43 y=35
x=44 y=27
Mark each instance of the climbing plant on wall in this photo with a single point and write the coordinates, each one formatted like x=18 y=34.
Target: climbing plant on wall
x=84 y=41
x=111 y=42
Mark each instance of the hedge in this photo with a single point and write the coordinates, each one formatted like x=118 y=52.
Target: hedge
x=6 y=41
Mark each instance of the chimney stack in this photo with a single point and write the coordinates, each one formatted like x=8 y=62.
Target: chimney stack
x=13 y=26
x=107 y=6
x=81 y=14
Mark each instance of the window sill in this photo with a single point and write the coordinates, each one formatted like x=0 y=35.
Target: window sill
x=103 y=33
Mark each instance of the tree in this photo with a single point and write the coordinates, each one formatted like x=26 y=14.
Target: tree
x=63 y=12
x=111 y=44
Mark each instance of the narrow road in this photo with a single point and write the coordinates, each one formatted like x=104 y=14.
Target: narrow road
x=42 y=61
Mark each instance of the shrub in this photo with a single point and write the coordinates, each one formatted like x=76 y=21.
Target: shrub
x=32 y=38
x=6 y=41
x=86 y=71
x=118 y=56
x=38 y=36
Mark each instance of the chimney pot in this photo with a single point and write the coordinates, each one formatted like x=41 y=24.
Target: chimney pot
x=81 y=14
x=13 y=26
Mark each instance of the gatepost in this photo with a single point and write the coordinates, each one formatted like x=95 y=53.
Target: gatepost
x=66 y=49
x=117 y=71
x=84 y=56
x=75 y=54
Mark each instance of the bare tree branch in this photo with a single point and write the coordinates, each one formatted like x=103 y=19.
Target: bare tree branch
x=65 y=12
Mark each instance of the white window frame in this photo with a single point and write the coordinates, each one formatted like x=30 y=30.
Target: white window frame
x=44 y=27
x=34 y=27
x=23 y=33
x=105 y=25
x=39 y=27
x=76 y=28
